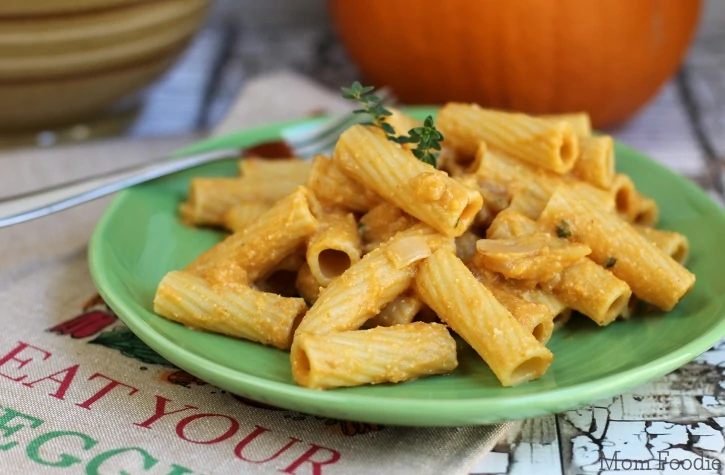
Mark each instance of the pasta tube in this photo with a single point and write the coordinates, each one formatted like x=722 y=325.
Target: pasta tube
x=595 y=164
x=548 y=144
x=380 y=355
x=509 y=223
x=648 y=213
x=535 y=317
x=307 y=285
x=210 y=198
x=365 y=288
x=584 y=286
x=579 y=121
x=536 y=184
x=332 y=186
x=593 y=291
x=625 y=196
x=400 y=311
x=673 y=244
x=651 y=274
x=538 y=257
x=282 y=279
x=383 y=222
x=416 y=187
x=271 y=171
x=448 y=287
x=276 y=234
x=241 y=215
x=231 y=309
x=334 y=248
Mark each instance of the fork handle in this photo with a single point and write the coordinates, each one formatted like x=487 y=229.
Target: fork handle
x=19 y=208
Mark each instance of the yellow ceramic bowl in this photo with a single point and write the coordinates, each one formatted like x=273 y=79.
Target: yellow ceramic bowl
x=26 y=8
x=60 y=68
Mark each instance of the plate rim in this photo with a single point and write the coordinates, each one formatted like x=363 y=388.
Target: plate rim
x=398 y=410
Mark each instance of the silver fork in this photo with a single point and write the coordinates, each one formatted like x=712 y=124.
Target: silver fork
x=305 y=141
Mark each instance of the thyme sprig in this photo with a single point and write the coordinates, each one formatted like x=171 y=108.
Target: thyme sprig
x=427 y=139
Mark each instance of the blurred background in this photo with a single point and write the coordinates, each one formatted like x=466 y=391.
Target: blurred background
x=646 y=70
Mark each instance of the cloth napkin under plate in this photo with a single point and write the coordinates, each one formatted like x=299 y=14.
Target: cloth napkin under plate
x=78 y=390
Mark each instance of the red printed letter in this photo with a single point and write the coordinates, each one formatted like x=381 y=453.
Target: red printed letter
x=12 y=356
x=239 y=449
x=105 y=390
x=316 y=466
x=233 y=428
x=70 y=373
x=161 y=412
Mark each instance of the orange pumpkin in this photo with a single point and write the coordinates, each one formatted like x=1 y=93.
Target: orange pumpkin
x=607 y=57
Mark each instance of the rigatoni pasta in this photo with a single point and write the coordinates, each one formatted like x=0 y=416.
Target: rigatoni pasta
x=360 y=264
x=277 y=233
x=449 y=288
x=548 y=144
x=417 y=188
x=618 y=246
x=372 y=356
x=229 y=308
x=334 y=247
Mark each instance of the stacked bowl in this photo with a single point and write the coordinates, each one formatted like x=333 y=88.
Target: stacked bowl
x=69 y=60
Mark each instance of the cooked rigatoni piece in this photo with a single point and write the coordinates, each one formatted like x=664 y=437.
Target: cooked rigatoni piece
x=648 y=213
x=673 y=244
x=396 y=175
x=282 y=278
x=529 y=203
x=495 y=199
x=511 y=351
x=274 y=170
x=522 y=289
x=579 y=121
x=595 y=164
x=241 y=215
x=365 y=288
x=651 y=274
x=625 y=195
x=593 y=291
x=380 y=355
x=332 y=186
x=210 y=198
x=228 y=308
x=510 y=223
x=334 y=247
x=383 y=222
x=535 y=317
x=536 y=184
x=275 y=235
x=584 y=286
x=537 y=257
x=548 y=144
x=307 y=285
x=400 y=311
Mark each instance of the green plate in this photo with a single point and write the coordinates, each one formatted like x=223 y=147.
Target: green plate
x=139 y=239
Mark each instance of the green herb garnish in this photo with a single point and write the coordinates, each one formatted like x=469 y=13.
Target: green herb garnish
x=426 y=138
x=372 y=105
x=563 y=229
x=609 y=263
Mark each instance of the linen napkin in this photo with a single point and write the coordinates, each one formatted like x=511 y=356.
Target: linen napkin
x=79 y=391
